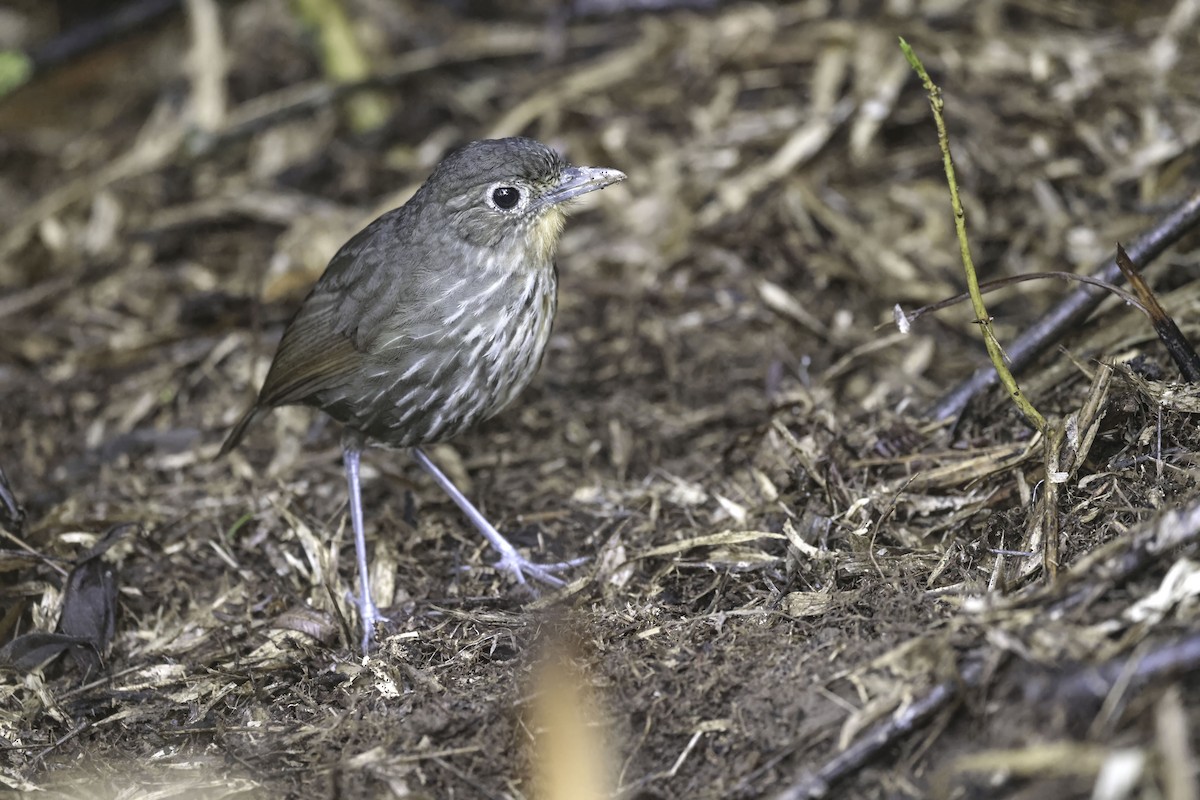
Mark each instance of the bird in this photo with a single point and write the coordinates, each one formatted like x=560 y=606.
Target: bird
x=432 y=319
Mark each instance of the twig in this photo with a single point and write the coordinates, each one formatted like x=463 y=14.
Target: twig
x=71 y=734
x=1182 y=353
x=344 y=61
x=882 y=735
x=1047 y=508
x=1073 y=309
x=81 y=40
x=206 y=65
x=1000 y=283
x=1116 y=562
x=960 y=226
x=1160 y=664
x=282 y=105
x=11 y=512
x=156 y=145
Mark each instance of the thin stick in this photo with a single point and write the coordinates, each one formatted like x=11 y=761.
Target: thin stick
x=960 y=226
x=1074 y=308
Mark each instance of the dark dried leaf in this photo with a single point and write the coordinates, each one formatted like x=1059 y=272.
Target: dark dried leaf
x=90 y=602
x=28 y=652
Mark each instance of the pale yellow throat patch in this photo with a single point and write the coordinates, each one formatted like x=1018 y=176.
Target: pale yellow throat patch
x=543 y=237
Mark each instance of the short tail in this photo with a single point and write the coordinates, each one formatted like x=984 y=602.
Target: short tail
x=239 y=429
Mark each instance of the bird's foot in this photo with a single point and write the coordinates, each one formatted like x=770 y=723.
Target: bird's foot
x=369 y=615
x=510 y=561
x=519 y=567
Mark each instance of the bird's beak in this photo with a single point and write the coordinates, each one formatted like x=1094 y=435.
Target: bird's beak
x=575 y=181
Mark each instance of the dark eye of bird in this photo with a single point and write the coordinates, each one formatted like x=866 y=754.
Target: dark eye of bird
x=506 y=197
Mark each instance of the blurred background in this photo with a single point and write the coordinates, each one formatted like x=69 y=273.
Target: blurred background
x=175 y=175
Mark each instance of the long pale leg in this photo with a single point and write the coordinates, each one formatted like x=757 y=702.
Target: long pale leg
x=367 y=612
x=510 y=561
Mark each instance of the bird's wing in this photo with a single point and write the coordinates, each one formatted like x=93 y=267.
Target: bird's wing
x=331 y=335
x=370 y=279
x=312 y=356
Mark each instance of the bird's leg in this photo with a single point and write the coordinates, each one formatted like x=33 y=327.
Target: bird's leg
x=367 y=612
x=510 y=561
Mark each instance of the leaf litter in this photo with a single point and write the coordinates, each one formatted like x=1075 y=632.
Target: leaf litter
x=800 y=586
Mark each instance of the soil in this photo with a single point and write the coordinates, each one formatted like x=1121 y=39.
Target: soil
x=788 y=557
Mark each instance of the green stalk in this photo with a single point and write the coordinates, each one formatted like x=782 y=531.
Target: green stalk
x=960 y=225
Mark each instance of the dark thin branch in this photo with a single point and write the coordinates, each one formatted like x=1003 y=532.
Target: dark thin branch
x=884 y=734
x=1072 y=310
x=97 y=32
x=1161 y=664
x=1182 y=352
x=1000 y=283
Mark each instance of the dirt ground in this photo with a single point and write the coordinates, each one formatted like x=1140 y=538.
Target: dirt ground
x=800 y=584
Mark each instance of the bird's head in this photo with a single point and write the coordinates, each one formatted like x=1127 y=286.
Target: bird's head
x=500 y=193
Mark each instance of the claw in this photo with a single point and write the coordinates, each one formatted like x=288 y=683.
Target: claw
x=518 y=567
x=510 y=561
x=368 y=614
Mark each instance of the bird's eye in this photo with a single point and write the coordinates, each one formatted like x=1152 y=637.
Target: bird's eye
x=506 y=197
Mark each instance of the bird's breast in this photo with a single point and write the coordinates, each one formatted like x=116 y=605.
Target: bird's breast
x=519 y=335
x=478 y=343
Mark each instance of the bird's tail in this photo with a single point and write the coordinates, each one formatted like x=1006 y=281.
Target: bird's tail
x=240 y=427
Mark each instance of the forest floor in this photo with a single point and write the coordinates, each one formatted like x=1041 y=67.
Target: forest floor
x=787 y=555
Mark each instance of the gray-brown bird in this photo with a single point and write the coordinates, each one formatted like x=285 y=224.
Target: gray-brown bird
x=432 y=319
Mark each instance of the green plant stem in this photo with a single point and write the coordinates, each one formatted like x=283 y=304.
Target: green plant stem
x=344 y=60
x=960 y=225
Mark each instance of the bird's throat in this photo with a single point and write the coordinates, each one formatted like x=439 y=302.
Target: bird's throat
x=545 y=233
